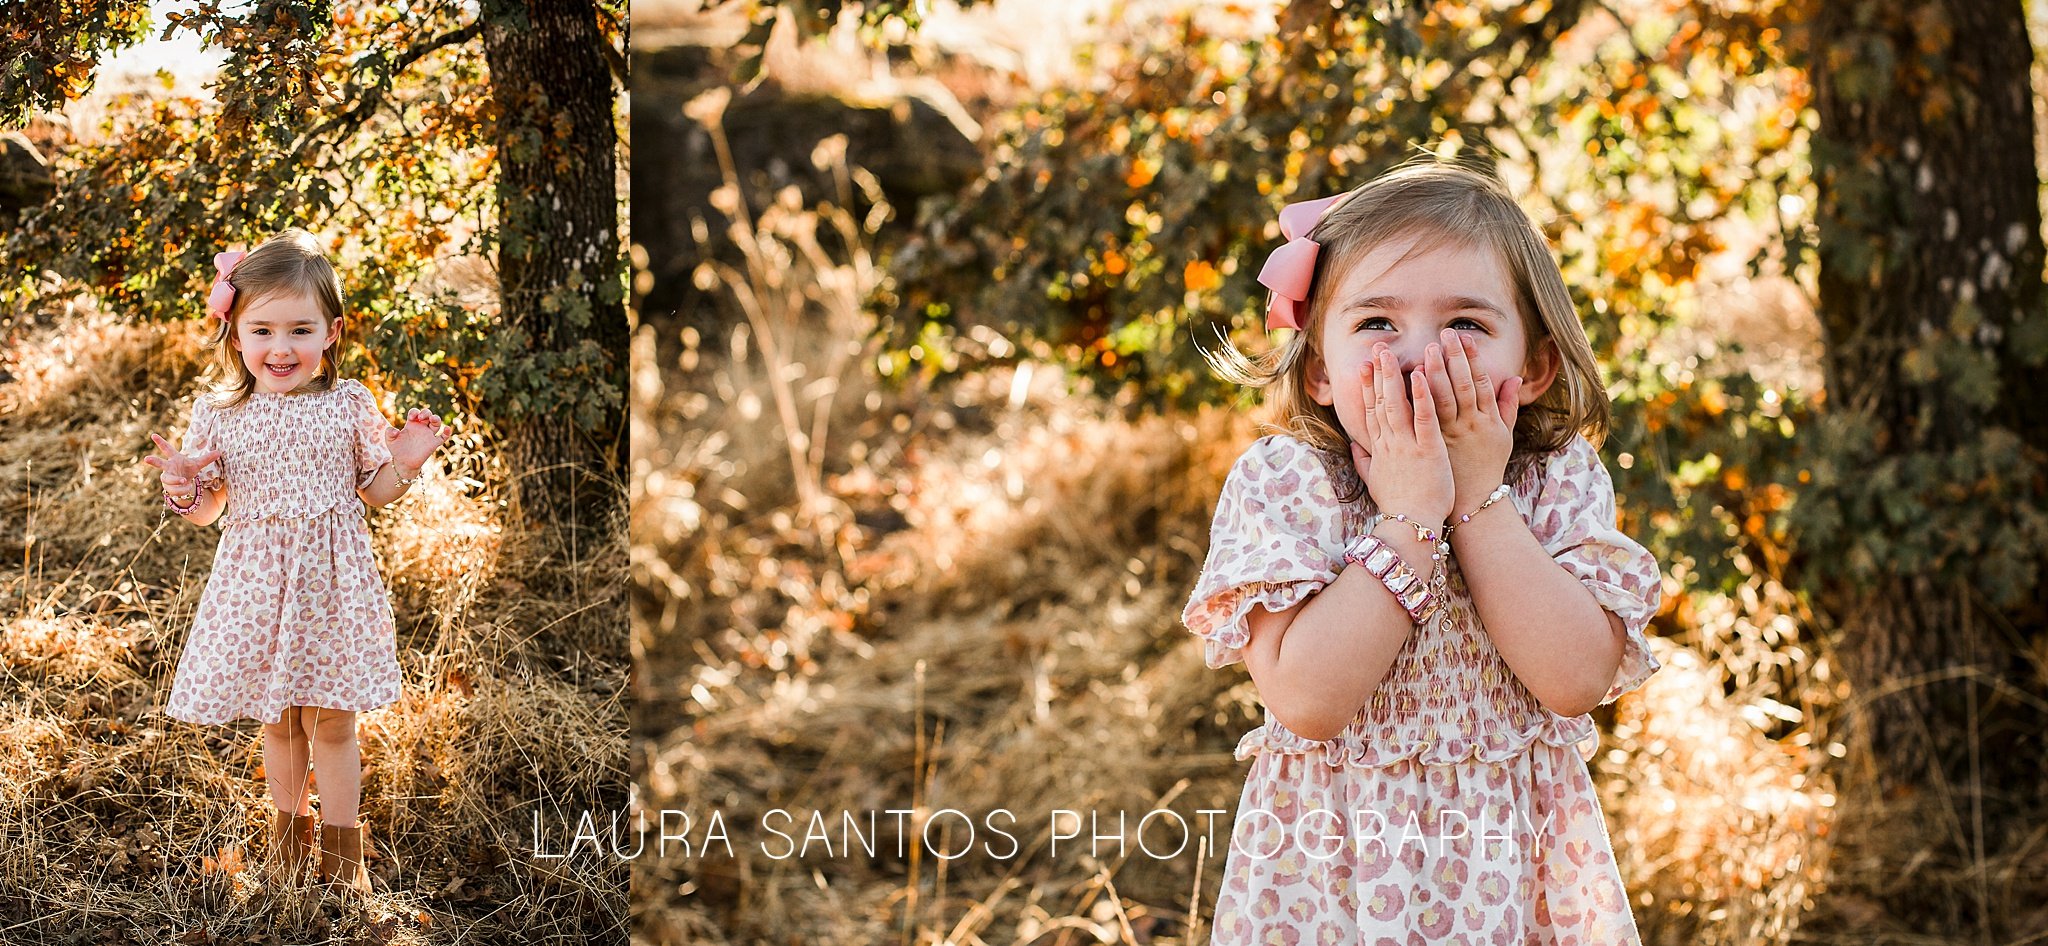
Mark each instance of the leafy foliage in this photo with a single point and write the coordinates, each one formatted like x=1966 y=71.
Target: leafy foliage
x=55 y=45
x=369 y=123
x=1120 y=226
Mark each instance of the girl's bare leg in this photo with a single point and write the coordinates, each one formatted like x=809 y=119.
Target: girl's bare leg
x=338 y=760
x=285 y=754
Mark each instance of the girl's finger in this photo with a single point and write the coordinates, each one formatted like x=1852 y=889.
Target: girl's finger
x=156 y=461
x=205 y=458
x=1368 y=390
x=1424 y=401
x=1510 y=400
x=1379 y=376
x=1462 y=378
x=1400 y=418
x=1385 y=376
x=1447 y=406
x=162 y=444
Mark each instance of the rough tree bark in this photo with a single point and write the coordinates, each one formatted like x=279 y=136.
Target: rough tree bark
x=1930 y=234
x=559 y=246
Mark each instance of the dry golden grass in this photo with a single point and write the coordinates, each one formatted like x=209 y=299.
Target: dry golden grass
x=119 y=821
x=981 y=610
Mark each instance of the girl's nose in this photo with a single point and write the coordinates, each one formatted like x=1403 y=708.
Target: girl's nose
x=1406 y=356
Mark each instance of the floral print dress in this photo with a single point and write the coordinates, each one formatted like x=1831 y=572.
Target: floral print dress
x=295 y=612
x=1454 y=808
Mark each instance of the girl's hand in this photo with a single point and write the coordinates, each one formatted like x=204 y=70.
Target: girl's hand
x=180 y=472
x=412 y=444
x=1404 y=461
x=1478 y=420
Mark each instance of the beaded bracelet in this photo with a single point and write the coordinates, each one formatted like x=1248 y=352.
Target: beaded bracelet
x=207 y=482
x=403 y=480
x=1439 y=542
x=1499 y=493
x=1423 y=533
x=172 y=504
x=1418 y=597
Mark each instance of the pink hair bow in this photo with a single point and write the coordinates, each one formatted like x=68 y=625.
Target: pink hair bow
x=222 y=297
x=1292 y=267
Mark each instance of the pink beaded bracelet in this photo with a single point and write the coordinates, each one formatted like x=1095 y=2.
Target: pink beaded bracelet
x=1419 y=598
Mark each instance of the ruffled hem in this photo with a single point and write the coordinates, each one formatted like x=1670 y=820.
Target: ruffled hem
x=1356 y=750
x=1221 y=620
x=1638 y=662
x=272 y=711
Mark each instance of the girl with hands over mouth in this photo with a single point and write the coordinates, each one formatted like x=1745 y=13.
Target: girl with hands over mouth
x=294 y=628
x=1419 y=567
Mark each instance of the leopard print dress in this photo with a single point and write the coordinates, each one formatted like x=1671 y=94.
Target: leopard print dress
x=1454 y=808
x=295 y=612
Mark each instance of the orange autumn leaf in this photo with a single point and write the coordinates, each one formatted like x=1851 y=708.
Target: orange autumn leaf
x=229 y=861
x=1200 y=276
x=1114 y=263
x=1142 y=173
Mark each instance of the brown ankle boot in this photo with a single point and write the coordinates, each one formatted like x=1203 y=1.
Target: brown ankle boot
x=341 y=856
x=291 y=844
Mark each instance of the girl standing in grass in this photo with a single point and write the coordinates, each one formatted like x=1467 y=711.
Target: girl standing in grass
x=294 y=628
x=1422 y=574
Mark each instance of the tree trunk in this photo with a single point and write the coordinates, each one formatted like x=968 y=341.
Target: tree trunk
x=1930 y=285
x=559 y=269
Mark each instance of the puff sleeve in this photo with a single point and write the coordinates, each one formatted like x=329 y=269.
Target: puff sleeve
x=1573 y=519
x=202 y=434
x=1277 y=539
x=373 y=447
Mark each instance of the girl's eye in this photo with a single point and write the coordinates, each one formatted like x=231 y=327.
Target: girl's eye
x=1464 y=324
x=1376 y=323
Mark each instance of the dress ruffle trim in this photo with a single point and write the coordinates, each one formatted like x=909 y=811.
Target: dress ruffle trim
x=1221 y=621
x=1357 y=750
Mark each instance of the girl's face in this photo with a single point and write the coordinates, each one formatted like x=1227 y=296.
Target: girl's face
x=1406 y=305
x=281 y=337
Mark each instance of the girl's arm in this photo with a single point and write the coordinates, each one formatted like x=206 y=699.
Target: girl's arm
x=211 y=503
x=1323 y=663
x=392 y=453
x=385 y=488
x=1549 y=629
x=1317 y=663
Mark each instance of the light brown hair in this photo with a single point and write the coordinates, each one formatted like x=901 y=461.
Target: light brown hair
x=1439 y=203
x=290 y=262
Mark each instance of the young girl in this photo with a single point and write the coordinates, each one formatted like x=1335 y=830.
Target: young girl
x=1423 y=577
x=294 y=628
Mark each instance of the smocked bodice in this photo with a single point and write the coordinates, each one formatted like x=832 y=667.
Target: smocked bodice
x=292 y=456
